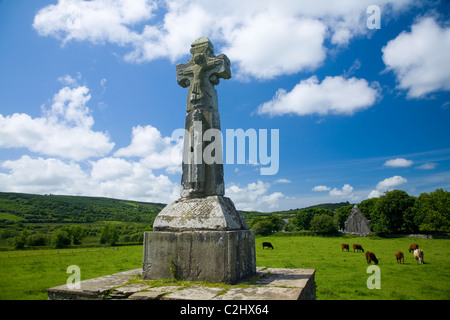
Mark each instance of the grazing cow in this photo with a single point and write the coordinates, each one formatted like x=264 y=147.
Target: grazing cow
x=370 y=256
x=413 y=247
x=267 y=244
x=399 y=256
x=357 y=247
x=418 y=255
x=344 y=246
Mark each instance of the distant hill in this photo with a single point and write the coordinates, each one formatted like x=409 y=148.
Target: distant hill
x=32 y=208
x=330 y=206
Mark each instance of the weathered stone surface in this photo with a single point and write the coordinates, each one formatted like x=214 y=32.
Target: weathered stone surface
x=194 y=293
x=209 y=213
x=201 y=73
x=92 y=289
x=272 y=284
x=215 y=256
x=357 y=223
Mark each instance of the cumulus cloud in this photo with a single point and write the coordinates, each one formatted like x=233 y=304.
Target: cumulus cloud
x=106 y=177
x=74 y=159
x=254 y=196
x=345 y=192
x=334 y=95
x=156 y=151
x=386 y=185
x=120 y=178
x=39 y=175
x=391 y=182
x=265 y=50
x=64 y=130
x=253 y=34
x=419 y=58
x=398 y=163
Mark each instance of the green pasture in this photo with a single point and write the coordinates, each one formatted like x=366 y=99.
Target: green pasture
x=26 y=274
x=343 y=275
x=339 y=275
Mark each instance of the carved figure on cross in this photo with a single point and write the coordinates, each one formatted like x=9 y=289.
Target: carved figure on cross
x=201 y=73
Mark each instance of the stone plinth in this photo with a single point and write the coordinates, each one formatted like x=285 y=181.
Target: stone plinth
x=267 y=284
x=215 y=256
x=208 y=213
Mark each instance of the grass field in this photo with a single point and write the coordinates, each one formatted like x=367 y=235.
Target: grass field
x=25 y=275
x=339 y=275
x=343 y=275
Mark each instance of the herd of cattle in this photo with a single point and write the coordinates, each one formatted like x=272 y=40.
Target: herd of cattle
x=370 y=256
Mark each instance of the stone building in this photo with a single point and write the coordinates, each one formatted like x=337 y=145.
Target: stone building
x=357 y=223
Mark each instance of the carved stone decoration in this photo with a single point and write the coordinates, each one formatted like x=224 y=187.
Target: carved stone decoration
x=200 y=74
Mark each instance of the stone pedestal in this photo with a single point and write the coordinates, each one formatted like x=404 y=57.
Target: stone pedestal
x=215 y=256
x=209 y=213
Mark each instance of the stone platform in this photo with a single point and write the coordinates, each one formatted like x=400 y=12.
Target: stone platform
x=268 y=284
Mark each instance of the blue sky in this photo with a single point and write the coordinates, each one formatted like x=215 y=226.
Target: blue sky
x=89 y=98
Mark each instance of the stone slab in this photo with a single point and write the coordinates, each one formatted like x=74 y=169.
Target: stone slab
x=93 y=289
x=214 y=256
x=268 y=284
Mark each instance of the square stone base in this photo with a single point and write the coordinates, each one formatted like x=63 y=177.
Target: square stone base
x=214 y=256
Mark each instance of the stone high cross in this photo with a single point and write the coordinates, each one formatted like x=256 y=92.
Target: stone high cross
x=201 y=73
x=201 y=236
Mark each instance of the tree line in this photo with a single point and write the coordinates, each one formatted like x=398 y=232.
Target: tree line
x=69 y=236
x=393 y=212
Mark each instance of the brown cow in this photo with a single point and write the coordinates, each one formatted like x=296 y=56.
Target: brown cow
x=344 y=246
x=413 y=247
x=418 y=255
x=400 y=257
x=370 y=256
x=357 y=247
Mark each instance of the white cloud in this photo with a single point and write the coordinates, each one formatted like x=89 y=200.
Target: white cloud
x=427 y=166
x=253 y=33
x=335 y=95
x=282 y=180
x=254 y=196
x=374 y=194
x=398 y=163
x=107 y=177
x=419 y=58
x=390 y=183
x=157 y=152
x=38 y=175
x=386 y=185
x=94 y=21
x=64 y=130
x=321 y=188
x=264 y=49
x=345 y=192
x=118 y=178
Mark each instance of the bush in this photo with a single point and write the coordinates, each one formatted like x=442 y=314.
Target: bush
x=323 y=223
x=60 y=239
x=109 y=235
x=19 y=242
x=263 y=227
x=37 y=240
